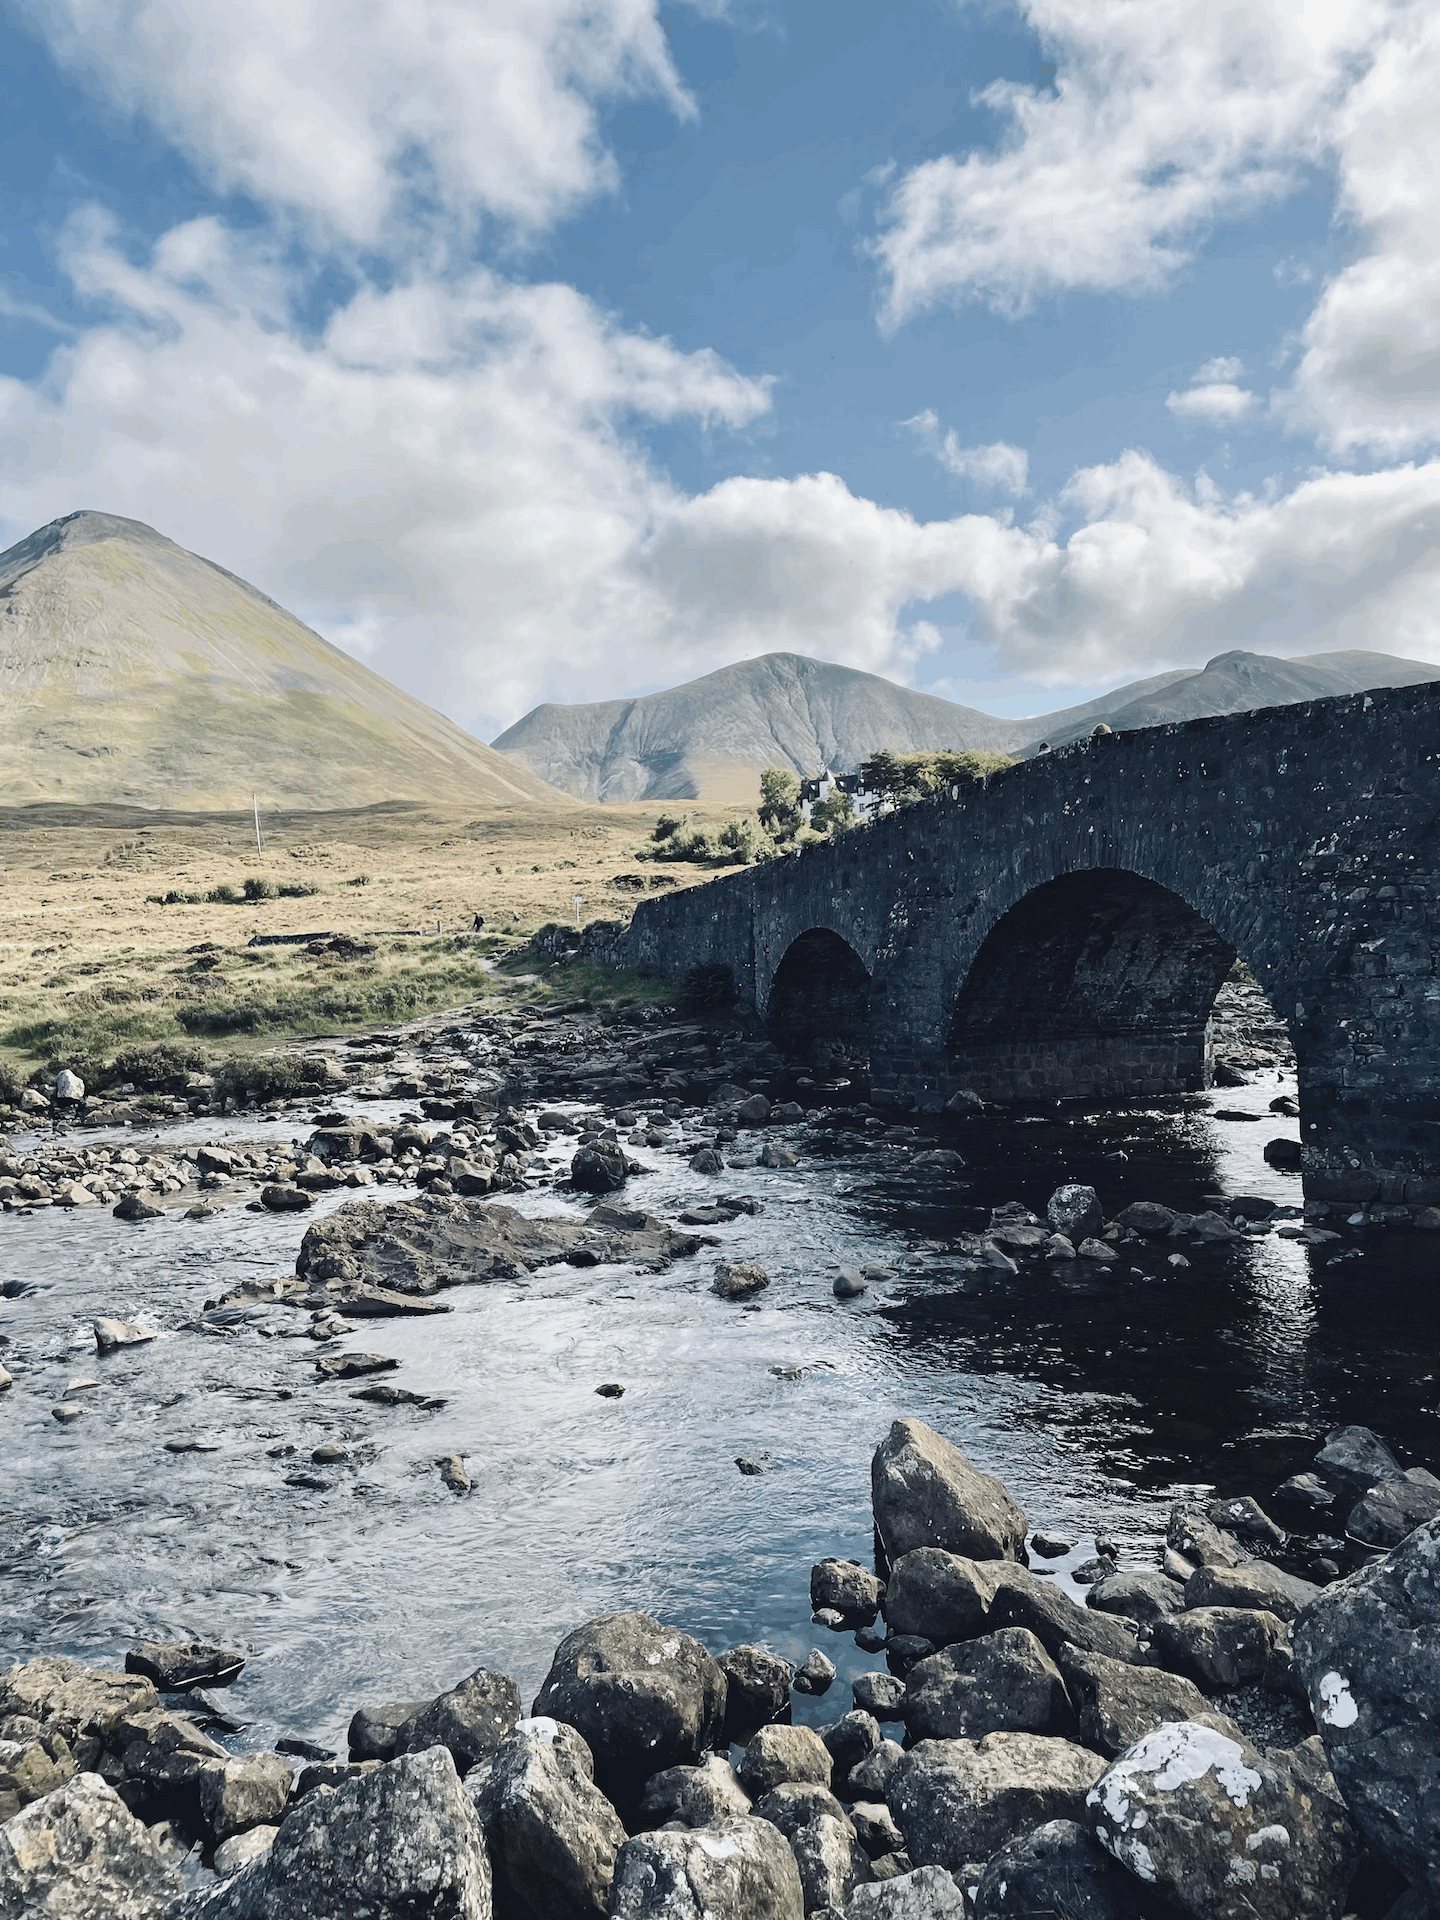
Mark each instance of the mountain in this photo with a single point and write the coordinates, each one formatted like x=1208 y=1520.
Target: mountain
x=131 y=670
x=710 y=737
x=1234 y=683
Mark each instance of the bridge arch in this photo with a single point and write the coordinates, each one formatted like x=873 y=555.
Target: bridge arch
x=1095 y=983
x=820 y=991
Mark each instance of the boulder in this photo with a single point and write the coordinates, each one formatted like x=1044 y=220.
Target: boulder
x=470 y=1720
x=242 y=1848
x=1137 y=1596
x=400 y=1841
x=695 y=1796
x=754 y=1111
x=286 y=1199
x=707 y=1160
x=849 y=1740
x=1366 y=1652
x=875 y=1828
x=551 y=1833
x=1003 y=1682
x=84 y=1704
x=1253 y=1584
x=1247 y=1518
x=374 y=1730
x=158 y=1762
x=831 y=1862
x=1075 y=1211
x=871 y=1775
x=175 y=1666
x=852 y=1590
x=1387 y=1513
x=1220 y=1647
x=941 y=1596
x=1353 y=1459
x=925 y=1893
x=1195 y=1535
x=1021 y=1600
x=757 y=1690
x=79 y=1851
x=880 y=1694
x=927 y=1494
x=795 y=1803
x=643 y=1697
x=1057 y=1869
x=111 y=1334
x=739 y=1279
x=735 y=1868
x=961 y=1800
x=33 y=1764
x=1225 y=1832
x=1120 y=1704
x=249 y=1791
x=1147 y=1217
x=599 y=1167
x=779 y=1754
x=815 y=1674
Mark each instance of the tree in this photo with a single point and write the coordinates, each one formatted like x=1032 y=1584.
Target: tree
x=779 y=802
x=836 y=811
x=883 y=775
x=739 y=839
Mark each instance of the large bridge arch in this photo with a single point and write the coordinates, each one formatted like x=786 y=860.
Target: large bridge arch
x=1094 y=984
x=820 y=991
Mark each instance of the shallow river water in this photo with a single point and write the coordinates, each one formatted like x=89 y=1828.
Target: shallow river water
x=1099 y=1395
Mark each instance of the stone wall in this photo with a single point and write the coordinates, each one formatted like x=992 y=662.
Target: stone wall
x=1304 y=838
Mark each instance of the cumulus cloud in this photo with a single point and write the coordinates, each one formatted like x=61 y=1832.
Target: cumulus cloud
x=1161 y=119
x=998 y=467
x=373 y=115
x=1218 y=402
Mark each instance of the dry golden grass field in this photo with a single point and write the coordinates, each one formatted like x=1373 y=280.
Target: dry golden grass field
x=89 y=963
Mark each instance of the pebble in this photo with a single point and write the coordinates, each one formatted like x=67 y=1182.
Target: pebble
x=452 y=1472
x=610 y=1390
x=66 y=1412
x=749 y=1464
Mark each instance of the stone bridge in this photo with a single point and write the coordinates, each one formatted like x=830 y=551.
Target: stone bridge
x=1062 y=928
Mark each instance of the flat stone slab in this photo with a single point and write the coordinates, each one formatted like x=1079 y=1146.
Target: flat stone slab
x=176 y=1666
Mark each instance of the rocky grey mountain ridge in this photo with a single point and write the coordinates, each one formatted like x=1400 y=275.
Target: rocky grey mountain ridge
x=710 y=737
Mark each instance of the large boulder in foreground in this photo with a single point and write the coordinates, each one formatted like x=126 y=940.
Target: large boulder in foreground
x=927 y=1494
x=1368 y=1653
x=738 y=1867
x=1001 y=1683
x=388 y=1845
x=80 y=1851
x=552 y=1834
x=643 y=1697
x=957 y=1801
x=1225 y=1832
x=1119 y=1704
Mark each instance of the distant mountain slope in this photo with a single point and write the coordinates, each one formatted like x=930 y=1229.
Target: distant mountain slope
x=131 y=670
x=711 y=737
x=1234 y=683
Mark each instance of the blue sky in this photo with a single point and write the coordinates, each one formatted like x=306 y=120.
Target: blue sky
x=535 y=349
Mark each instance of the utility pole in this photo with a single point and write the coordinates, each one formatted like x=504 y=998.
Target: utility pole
x=255 y=803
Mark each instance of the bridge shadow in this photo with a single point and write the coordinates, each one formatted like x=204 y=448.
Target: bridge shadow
x=820 y=996
x=1096 y=985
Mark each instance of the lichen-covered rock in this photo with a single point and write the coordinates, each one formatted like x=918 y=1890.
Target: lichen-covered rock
x=739 y=1867
x=1225 y=1832
x=1220 y=1647
x=1368 y=1653
x=927 y=1494
x=777 y=1754
x=1075 y=1211
x=1002 y=1682
x=78 y=1852
x=389 y=1845
x=831 y=1862
x=960 y=1800
x=552 y=1834
x=249 y=1791
x=941 y=1597
x=643 y=1697
x=925 y=1893
x=1119 y=1704
x=757 y=1690
x=695 y=1796
x=1058 y=1869
x=471 y=1719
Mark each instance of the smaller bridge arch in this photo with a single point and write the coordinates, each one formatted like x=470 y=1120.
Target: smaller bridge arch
x=820 y=991
x=1094 y=984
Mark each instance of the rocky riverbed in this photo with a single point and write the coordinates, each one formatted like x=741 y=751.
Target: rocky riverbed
x=519 y=1321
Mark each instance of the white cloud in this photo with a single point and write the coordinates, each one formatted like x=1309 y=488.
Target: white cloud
x=998 y=467
x=443 y=481
x=1162 y=119
x=1226 y=367
x=366 y=114
x=1219 y=402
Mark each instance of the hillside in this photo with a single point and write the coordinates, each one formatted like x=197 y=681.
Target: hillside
x=134 y=671
x=710 y=737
